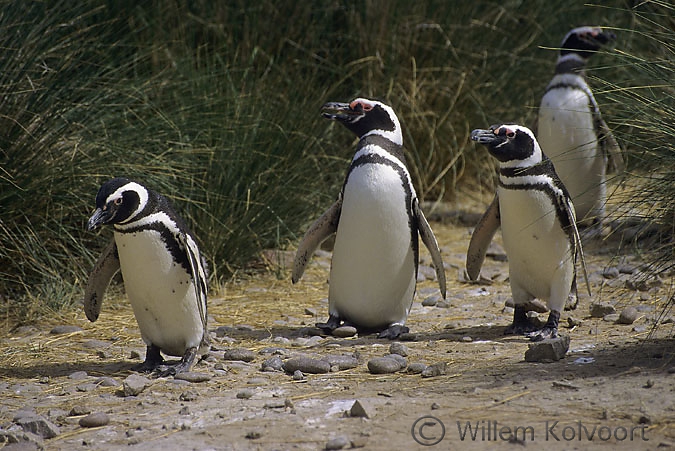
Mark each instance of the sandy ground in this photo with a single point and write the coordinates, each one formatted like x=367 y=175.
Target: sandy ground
x=615 y=389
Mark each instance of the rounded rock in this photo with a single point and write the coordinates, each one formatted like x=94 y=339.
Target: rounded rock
x=241 y=354
x=337 y=443
x=344 y=331
x=628 y=315
x=95 y=419
x=383 y=365
x=416 y=368
x=306 y=365
x=399 y=348
x=192 y=376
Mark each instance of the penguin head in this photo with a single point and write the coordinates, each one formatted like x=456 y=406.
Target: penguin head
x=513 y=145
x=585 y=41
x=118 y=201
x=366 y=117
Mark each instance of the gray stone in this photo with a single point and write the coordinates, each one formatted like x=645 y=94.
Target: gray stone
x=628 y=315
x=39 y=426
x=611 y=318
x=59 y=330
x=360 y=409
x=192 y=376
x=298 y=376
x=246 y=393
x=383 y=365
x=107 y=381
x=337 y=443
x=431 y=300
x=443 y=304
x=242 y=354
x=399 y=348
x=79 y=410
x=343 y=362
x=306 y=365
x=134 y=385
x=272 y=364
x=573 y=322
x=399 y=358
x=437 y=369
x=610 y=273
x=310 y=311
x=78 y=375
x=416 y=368
x=94 y=420
x=600 y=309
x=344 y=331
x=550 y=350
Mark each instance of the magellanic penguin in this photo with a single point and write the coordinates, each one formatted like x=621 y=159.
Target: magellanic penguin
x=571 y=131
x=164 y=274
x=376 y=219
x=538 y=228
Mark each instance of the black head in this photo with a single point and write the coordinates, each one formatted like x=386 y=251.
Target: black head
x=510 y=143
x=585 y=41
x=364 y=117
x=117 y=201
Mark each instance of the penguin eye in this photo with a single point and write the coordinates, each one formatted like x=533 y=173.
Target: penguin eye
x=118 y=201
x=510 y=134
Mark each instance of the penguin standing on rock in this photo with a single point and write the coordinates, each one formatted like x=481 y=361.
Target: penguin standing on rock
x=164 y=274
x=538 y=228
x=377 y=219
x=571 y=131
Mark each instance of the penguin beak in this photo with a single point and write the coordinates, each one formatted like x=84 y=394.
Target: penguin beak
x=340 y=111
x=485 y=137
x=99 y=217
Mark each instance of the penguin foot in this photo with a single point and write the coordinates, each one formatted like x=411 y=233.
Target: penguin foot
x=329 y=326
x=550 y=329
x=521 y=324
x=153 y=359
x=393 y=332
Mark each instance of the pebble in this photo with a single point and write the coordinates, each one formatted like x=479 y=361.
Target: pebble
x=343 y=362
x=310 y=311
x=408 y=336
x=337 y=443
x=550 y=350
x=78 y=375
x=628 y=315
x=188 y=396
x=399 y=348
x=39 y=426
x=298 y=376
x=344 y=331
x=95 y=344
x=611 y=318
x=437 y=369
x=78 y=410
x=431 y=300
x=360 y=409
x=240 y=354
x=306 y=365
x=601 y=309
x=246 y=393
x=94 y=420
x=416 y=368
x=399 y=358
x=467 y=339
x=58 y=330
x=574 y=322
x=610 y=273
x=192 y=376
x=272 y=364
x=107 y=381
x=443 y=304
x=134 y=385
x=383 y=365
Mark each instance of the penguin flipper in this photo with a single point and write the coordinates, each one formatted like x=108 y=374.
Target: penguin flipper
x=105 y=268
x=199 y=276
x=481 y=238
x=578 y=250
x=321 y=229
x=610 y=147
x=429 y=240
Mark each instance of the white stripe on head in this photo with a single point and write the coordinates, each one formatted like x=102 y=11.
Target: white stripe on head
x=536 y=156
x=395 y=136
x=138 y=189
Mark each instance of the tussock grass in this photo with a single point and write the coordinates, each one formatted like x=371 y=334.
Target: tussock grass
x=216 y=105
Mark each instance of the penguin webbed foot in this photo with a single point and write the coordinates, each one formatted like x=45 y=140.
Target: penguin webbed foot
x=393 y=332
x=182 y=366
x=153 y=359
x=521 y=324
x=329 y=326
x=550 y=329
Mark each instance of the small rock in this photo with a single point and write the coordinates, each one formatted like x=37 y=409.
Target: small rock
x=94 y=420
x=78 y=410
x=416 y=368
x=39 y=426
x=626 y=268
x=467 y=339
x=337 y=443
x=399 y=358
x=78 y=375
x=134 y=355
x=600 y=309
x=435 y=406
x=611 y=318
x=310 y=311
x=437 y=369
x=383 y=365
x=306 y=365
x=241 y=354
x=272 y=364
x=610 y=273
x=188 y=396
x=443 y=304
x=246 y=393
x=298 y=376
x=253 y=435
x=399 y=348
x=628 y=315
x=192 y=376
x=550 y=350
x=408 y=336
x=343 y=362
x=573 y=322
x=431 y=300
x=344 y=331
x=59 y=330
x=134 y=384
x=275 y=404
x=361 y=410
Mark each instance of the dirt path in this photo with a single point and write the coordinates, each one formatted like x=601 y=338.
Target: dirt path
x=616 y=385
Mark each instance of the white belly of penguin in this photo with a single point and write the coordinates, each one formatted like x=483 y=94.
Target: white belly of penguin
x=372 y=278
x=161 y=293
x=538 y=250
x=567 y=136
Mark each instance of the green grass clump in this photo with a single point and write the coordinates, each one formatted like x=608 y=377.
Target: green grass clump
x=216 y=104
